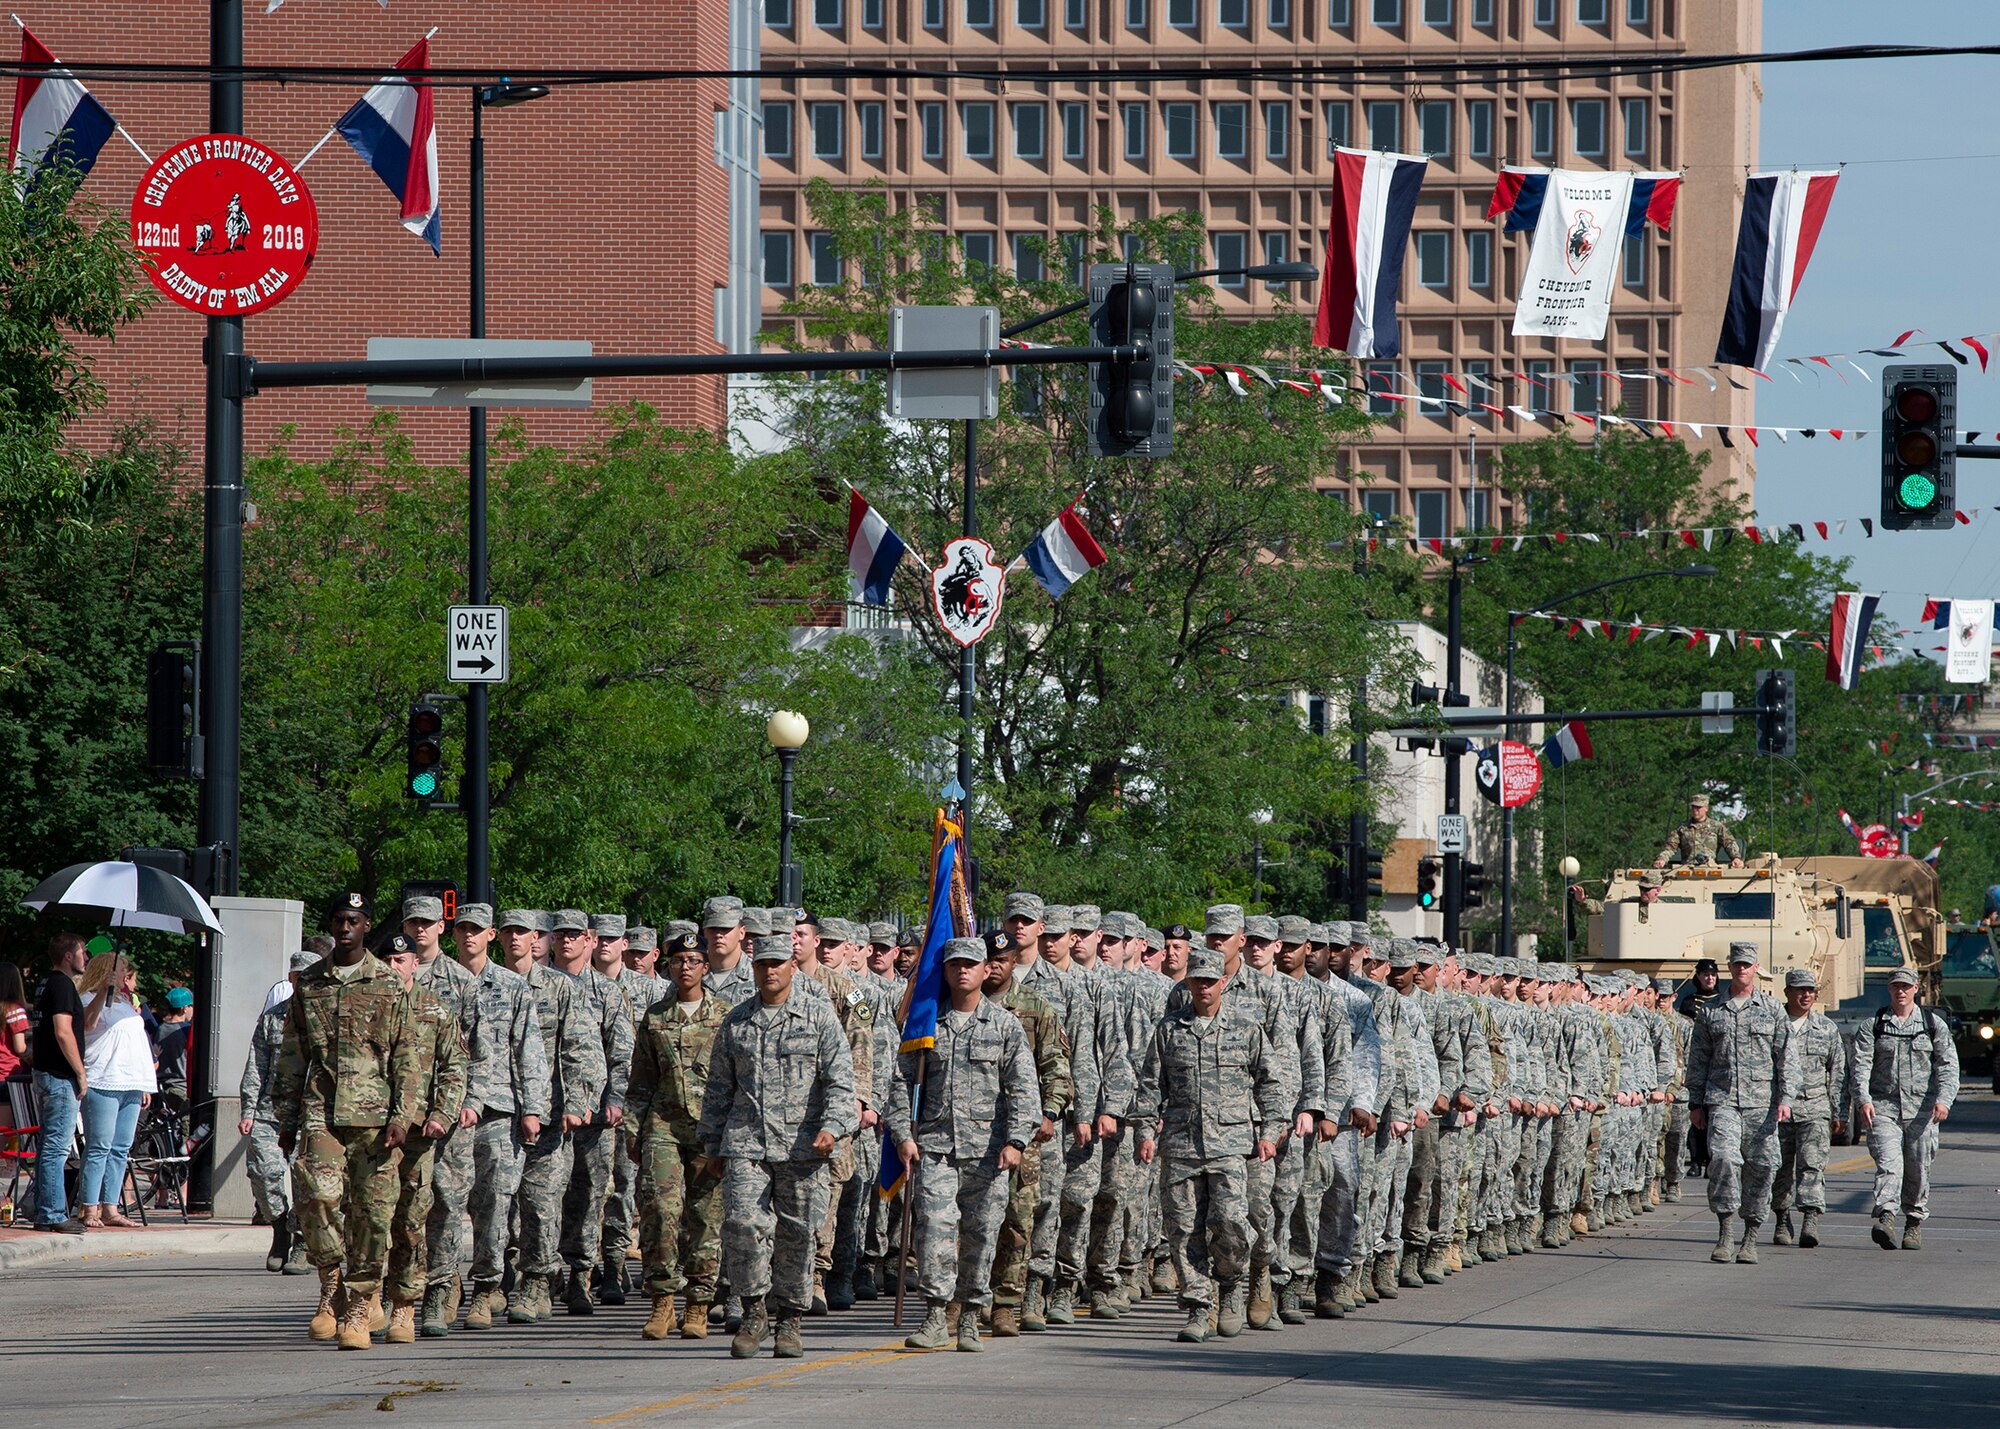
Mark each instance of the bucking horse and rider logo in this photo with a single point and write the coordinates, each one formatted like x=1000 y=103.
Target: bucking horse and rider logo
x=1581 y=240
x=966 y=589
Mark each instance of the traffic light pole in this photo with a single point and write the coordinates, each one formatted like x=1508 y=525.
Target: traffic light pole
x=1454 y=649
x=475 y=789
x=1357 y=822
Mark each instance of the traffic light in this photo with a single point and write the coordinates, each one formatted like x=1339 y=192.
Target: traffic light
x=1427 y=883
x=424 y=740
x=1777 y=713
x=1471 y=884
x=1132 y=403
x=173 y=709
x=1421 y=695
x=1371 y=872
x=1919 y=448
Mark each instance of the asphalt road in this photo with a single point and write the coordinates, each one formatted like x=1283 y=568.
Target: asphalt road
x=1635 y=1325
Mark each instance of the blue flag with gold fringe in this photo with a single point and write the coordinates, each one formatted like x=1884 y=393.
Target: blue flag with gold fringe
x=950 y=915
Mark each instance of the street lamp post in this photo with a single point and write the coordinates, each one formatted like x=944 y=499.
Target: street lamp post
x=1514 y=619
x=475 y=795
x=1905 y=801
x=787 y=730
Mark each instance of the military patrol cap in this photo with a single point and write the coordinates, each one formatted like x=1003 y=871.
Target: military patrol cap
x=569 y=920
x=831 y=930
x=518 y=918
x=1223 y=920
x=964 y=950
x=757 y=922
x=642 y=939
x=424 y=908
x=545 y=921
x=1156 y=941
x=1204 y=963
x=1261 y=926
x=608 y=925
x=479 y=915
x=1531 y=969
x=1316 y=933
x=1086 y=918
x=1904 y=975
x=349 y=903
x=1056 y=918
x=1698 y=801
x=679 y=936
x=1294 y=929
x=1022 y=905
x=1402 y=953
x=1429 y=955
x=1358 y=936
x=882 y=935
x=1801 y=977
x=1177 y=930
x=999 y=940
x=1652 y=878
x=303 y=959
x=1742 y=953
x=722 y=913
x=1120 y=924
x=770 y=948
x=1663 y=984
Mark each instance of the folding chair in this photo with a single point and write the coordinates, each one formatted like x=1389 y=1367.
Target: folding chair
x=17 y=1147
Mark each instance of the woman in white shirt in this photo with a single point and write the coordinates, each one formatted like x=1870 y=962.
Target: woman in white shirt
x=118 y=1070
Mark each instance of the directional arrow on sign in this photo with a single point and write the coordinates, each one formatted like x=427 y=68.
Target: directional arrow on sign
x=482 y=664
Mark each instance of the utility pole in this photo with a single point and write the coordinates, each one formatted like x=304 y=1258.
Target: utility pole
x=1357 y=822
x=475 y=790
x=1452 y=745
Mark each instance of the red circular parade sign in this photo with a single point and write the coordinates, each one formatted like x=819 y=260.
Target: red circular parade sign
x=227 y=226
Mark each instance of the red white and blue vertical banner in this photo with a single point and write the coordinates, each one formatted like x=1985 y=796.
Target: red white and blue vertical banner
x=1575 y=254
x=873 y=550
x=1064 y=553
x=1847 y=637
x=53 y=113
x=391 y=128
x=1567 y=745
x=1782 y=217
x=1374 y=200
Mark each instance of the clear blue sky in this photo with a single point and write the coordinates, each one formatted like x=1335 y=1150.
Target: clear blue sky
x=1912 y=242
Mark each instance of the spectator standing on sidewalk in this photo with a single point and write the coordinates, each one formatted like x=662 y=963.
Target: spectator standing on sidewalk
x=59 y=1079
x=120 y=1082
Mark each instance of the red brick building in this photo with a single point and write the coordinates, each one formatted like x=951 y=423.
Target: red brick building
x=607 y=207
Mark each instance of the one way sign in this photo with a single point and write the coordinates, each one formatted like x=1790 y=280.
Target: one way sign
x=476 y=644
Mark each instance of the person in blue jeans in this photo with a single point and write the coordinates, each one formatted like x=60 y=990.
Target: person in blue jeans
x=120 y=1080
x=59 y=1079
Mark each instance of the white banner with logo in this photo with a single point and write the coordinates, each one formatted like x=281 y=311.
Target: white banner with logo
x=1969 y=642
x=1574 y=262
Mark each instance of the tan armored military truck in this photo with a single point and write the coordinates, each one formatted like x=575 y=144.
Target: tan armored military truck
x=1851 y=920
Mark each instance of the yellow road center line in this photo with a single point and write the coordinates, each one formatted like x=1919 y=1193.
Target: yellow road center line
x=724 y=1393
x=1852 y=1165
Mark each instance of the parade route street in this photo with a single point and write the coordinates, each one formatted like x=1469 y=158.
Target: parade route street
x=1635 y=1324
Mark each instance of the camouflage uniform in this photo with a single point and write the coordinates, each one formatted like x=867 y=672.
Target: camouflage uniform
x=450 y=1156
x=1903 y=1067
x=1694 y=840
x=600 y=1003
x=348 y=1068
x=443 y=1070
x=270 y=1176
x=1804 y=1141
x=855 y=1012
x=575 y=1050
x=1464 y=1067
x=978 y=1094
x=1097 y=1016
x=1208 y=1083
x=778 y=1076
x=1043 y=1029
x=642 y=991
x=1119 y=1237
x=509 y=1080
x=1348 y=1022
x=1674 y=1144
x=1060 y=991
x=1742 y=1066
x=670 y=1065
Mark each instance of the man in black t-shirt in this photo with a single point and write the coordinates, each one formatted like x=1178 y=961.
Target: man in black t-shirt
x=59 y=1079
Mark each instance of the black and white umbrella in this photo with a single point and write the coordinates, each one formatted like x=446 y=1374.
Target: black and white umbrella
x=124 y=895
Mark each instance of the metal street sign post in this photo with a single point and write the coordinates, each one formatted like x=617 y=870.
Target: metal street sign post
x=1451 y=833
x=476 y=644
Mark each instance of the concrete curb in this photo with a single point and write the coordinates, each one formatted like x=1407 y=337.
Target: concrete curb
x=47 y=1249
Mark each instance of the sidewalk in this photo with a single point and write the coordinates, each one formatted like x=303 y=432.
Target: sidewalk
x=20 y=1247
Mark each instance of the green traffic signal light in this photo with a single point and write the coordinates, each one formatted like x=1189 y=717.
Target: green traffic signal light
x=1916 y=492
x=424 y=784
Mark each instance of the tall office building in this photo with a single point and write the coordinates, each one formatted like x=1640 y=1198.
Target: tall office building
x=1010 y=160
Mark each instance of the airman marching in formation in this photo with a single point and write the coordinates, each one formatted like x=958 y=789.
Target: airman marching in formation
x=1277 y=1120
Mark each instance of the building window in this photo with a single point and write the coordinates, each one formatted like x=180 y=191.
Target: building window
x=1278 y=14
x=1542 y=127
x=871 y=14
x=777 y=259
x=1482 y=14
x=1385 y=124
x=871 y=129
x=826 y=14
x=1180 y=125
x=978 y=254
x=778 y=14
x=1031 y=14
x=1479 y=384
x=1339 y=14
x=1585 y=396
x=1430 y=380
x=1076 y=130
x=828 y=120
x=1277 y=129
x=1232 y=255
x=1134 y=116
x=825 y=258
x=1380 y=505
x=1437 y=13
x=1233 y=14
x=1635 y=260
x=1593 y=12
x=1636 y=128
x=1431 y=508
x=1479 y=128
x=1339 y=126
x=1386 y=13
x=1545 y=14
x=930 y=116
x=976 y=120
x=1638 y=12
x=1541 y=389
x=1031 y=123
x=1076 y=14
x=1027 y=253
x=933 y=14
x=1479 y=258
x=1586 y=119
x=1135 y=14
x=1434 y=260
x=1275 y=245
x=778 y=130
x=1380 y=377
x=1478 y=510
x=1182 y=14
x=979 y=14
x=1434 y=128
x=1232 y=124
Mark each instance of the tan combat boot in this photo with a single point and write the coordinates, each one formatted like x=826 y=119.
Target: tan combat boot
x=750 y=1334
x=402 y=1323
x=327 y=1317
x=377 y=1321
x=486 y=1302
x=1006 y=1322
x=785 y=1341
x=1261 y=1306
x=355 y=1312
x=660 y=1323
x=694 y=1324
